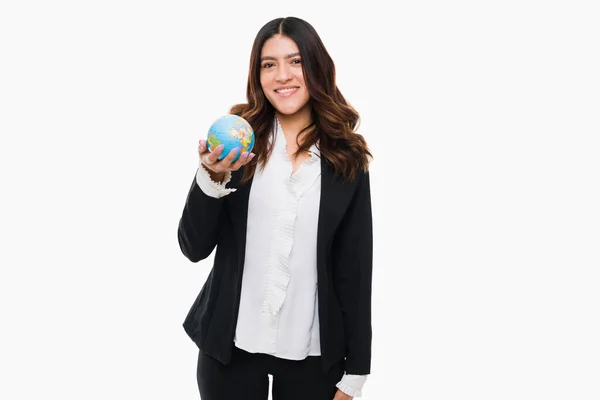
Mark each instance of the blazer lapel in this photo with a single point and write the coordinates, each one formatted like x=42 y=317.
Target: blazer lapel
x=238 y=209
x=335 y=197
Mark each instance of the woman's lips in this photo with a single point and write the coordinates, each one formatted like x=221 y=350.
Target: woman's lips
x=286 y=92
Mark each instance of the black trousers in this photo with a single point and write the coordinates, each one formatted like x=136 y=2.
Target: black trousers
x=246 y=377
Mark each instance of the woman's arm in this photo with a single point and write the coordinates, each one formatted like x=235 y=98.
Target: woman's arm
x=197 y=232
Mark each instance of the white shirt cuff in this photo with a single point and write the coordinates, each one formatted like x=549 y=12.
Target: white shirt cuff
x=210 y=187
x=352 y=384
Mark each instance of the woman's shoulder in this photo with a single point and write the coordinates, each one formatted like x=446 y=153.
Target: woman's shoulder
x=360 y=175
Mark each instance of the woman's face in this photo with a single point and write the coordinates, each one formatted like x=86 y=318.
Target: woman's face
x=281 y=75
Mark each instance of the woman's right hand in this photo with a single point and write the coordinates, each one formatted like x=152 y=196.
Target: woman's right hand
x=216 y=168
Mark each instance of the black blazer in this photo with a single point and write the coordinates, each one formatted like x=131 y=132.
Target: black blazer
x=344 y=267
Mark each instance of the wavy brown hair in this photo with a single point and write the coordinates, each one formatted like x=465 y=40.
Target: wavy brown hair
x=334 y=120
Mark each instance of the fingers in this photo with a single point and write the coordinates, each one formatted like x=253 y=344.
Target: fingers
x=244 y=159
x=211 y=159
x=228 y=161
x=203 y=148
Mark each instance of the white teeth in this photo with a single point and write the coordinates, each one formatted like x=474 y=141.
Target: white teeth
x=285 y=90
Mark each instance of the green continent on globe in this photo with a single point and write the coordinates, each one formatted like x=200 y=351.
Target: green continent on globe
x=213 y=142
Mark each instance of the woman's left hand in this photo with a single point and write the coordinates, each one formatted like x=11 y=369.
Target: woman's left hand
x=339 y=395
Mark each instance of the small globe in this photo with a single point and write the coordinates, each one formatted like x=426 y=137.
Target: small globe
x=231 y=131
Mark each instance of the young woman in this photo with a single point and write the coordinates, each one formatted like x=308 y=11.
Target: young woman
x=289 y=294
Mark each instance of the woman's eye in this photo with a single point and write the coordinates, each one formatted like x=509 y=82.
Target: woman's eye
x=296 y=61
x=267 y=65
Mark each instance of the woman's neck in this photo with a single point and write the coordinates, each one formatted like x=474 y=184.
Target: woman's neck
x=293 y=124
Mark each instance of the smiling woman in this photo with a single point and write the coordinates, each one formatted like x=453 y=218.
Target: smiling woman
x=289 y=294
x=288 y=54
x=281 y=76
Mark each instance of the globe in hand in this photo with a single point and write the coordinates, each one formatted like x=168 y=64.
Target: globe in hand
x=231 y=131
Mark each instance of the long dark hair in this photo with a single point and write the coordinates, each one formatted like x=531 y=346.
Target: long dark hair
x=334 y=120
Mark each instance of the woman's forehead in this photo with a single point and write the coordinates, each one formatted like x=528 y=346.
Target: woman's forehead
x=279 y=46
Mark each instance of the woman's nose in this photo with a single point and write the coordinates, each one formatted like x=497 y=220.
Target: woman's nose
x=283 y=73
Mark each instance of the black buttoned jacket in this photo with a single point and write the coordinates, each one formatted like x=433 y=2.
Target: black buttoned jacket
x=344 y=267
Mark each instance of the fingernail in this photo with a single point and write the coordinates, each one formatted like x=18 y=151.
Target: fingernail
x=220 y=147
x=251 y=156
x=236 y=150
x=245 y=155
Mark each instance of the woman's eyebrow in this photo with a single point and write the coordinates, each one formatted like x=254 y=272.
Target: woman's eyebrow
x=275 y=59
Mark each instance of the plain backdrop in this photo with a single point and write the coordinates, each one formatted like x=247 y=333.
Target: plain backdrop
x=484 y=121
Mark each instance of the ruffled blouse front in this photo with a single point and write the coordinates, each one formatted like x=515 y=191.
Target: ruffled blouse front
x=278 y=308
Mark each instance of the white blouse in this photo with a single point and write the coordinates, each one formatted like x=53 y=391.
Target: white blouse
x=278 y=307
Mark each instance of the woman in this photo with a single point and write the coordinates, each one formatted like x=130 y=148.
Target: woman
x=289 y=294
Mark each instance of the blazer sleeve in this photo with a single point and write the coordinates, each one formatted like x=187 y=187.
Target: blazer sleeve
x=197 y=232
x=352 y=259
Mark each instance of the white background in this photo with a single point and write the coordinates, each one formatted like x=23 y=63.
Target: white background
x=484 y=121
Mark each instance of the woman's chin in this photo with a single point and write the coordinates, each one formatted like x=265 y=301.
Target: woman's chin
x=286 y=112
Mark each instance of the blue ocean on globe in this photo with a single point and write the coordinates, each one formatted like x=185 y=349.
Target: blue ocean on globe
x=231 y=131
